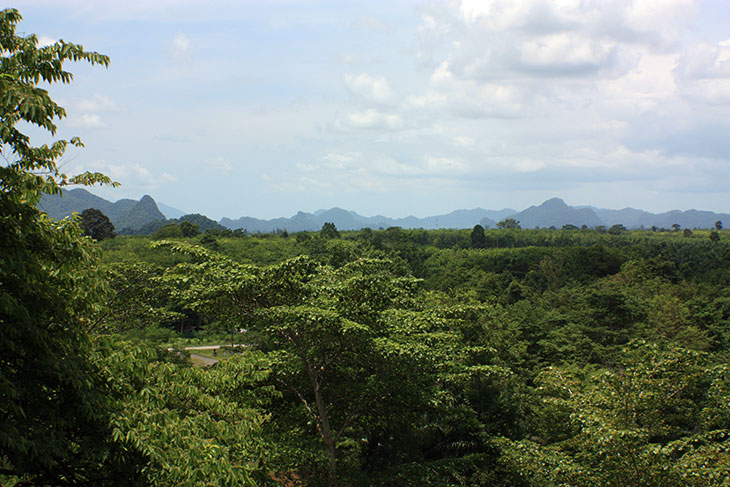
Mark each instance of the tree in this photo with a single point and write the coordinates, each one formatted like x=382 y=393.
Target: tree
x=657 y=418
x=77 y=409
x=718 y=225
x=193 y=426
x=96 y=224
x=616 y=229
x=508 y=223
x=349 y=355
x=676 y=227
x=137 y=300
x=170 y=230
x=714 y=236
x=53 y=399
x=189 y=229
x=478 y=240
x=687 y=232
x=329 y=231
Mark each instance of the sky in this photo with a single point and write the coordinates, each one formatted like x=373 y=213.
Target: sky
x=398 y=107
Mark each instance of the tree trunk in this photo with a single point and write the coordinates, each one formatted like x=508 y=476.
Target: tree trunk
x=325 y=430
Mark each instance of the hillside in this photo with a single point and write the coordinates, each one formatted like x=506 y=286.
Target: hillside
x=555 y=213
x=124 y=214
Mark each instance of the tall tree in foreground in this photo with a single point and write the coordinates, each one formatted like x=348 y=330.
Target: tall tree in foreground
x=55 y=427
x=354 y=361
x=77 y=409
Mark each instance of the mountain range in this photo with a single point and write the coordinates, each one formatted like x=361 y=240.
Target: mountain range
x=130 y=216
x=349 y=220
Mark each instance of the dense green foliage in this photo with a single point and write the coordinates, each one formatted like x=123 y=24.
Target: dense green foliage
x=522 y=357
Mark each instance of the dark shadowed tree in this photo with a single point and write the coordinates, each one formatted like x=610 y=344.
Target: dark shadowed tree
x=329 y=230
x=478 y=240
x=616 y=229
x=96 y=224
x=718 y=225
x=189 y=229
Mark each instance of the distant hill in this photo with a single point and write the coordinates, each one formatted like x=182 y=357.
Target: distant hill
x=555 y=213
x=349 y=220
x=686 y=219
x=632 y=218
x=628 y=217
x=203 y=222
x=125 y=214
x=144 y=211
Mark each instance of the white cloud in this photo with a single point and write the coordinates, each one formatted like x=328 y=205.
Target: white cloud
x=44 y=40
x=166 y=177
x=97 y=103
x=129 y=175
x=337 y=161
x=181 y=48
x=468 y=98
x=464 y=140
x=703 y=73
x=566 y=54
x=503 y=39
x=373 y=89
x=86 y=120
x=329 y=162
x=443 y=164
x=370 y=22
x=373 y=119
x=563 y=74
x=87 y=112
x=645 y=21
x=219 y=164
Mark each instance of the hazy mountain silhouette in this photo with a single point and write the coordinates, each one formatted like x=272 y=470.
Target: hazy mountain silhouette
x=144 y=216
x=555 y=213
x=628 y=217
x=349 y=220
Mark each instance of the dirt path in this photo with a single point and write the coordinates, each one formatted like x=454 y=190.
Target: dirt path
x=208 y=347
x=202 y=361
